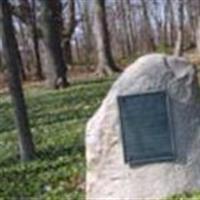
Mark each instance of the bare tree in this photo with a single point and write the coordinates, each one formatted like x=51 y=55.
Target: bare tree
x=56 y=70
x=26 y=12
x=84 y=10
x=13 y=62
x=178 y=51
x=106 y=64
x=125 y=26
x=129 y=19
x=148 y=28
x=69 y=30
x=198 y=35
x=39 y=71
x=198 y=26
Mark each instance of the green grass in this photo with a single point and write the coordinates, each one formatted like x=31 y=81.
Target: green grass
x=186 y=196
x=57 y=121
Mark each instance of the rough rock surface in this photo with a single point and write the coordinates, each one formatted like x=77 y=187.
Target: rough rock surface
x=108 y=177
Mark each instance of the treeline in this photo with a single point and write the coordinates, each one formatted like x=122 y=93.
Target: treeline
x=47 y=32
x=128 y=28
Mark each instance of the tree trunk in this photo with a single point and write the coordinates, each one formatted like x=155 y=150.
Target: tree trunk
x=39 y=72
x=192 y=20
x=56 y=70
x=78 y=54
x=25 y=51
x=88 y=34
x=148 y=28
x=198 y=27
x=26 y=145
x=69 y=30
x=106 y=64
x=172 y=26
x=125 y=27
x=119 y=32
x=86 y=17
x=130 y=23
x=198 y=35
x=165 y=23
x=178 y=51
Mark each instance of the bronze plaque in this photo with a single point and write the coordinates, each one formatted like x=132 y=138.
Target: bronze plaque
x=146 y=128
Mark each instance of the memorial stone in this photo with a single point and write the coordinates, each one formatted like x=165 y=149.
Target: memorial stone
x=113 y=173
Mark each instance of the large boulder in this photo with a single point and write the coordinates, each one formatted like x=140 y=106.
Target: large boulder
x=108 y=177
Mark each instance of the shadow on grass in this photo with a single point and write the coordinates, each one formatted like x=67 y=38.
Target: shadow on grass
x=46 y=119
x=40 y=108
x=95 y=81
x=66 y=116
x=52 y=153
x=49 y=153
x=9 y=161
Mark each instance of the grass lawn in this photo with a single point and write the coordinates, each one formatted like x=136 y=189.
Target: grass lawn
x=57 y=121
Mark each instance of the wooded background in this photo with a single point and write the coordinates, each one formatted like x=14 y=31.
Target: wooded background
x=69 y=32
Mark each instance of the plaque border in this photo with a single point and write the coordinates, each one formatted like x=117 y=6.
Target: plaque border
x=170 y=123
